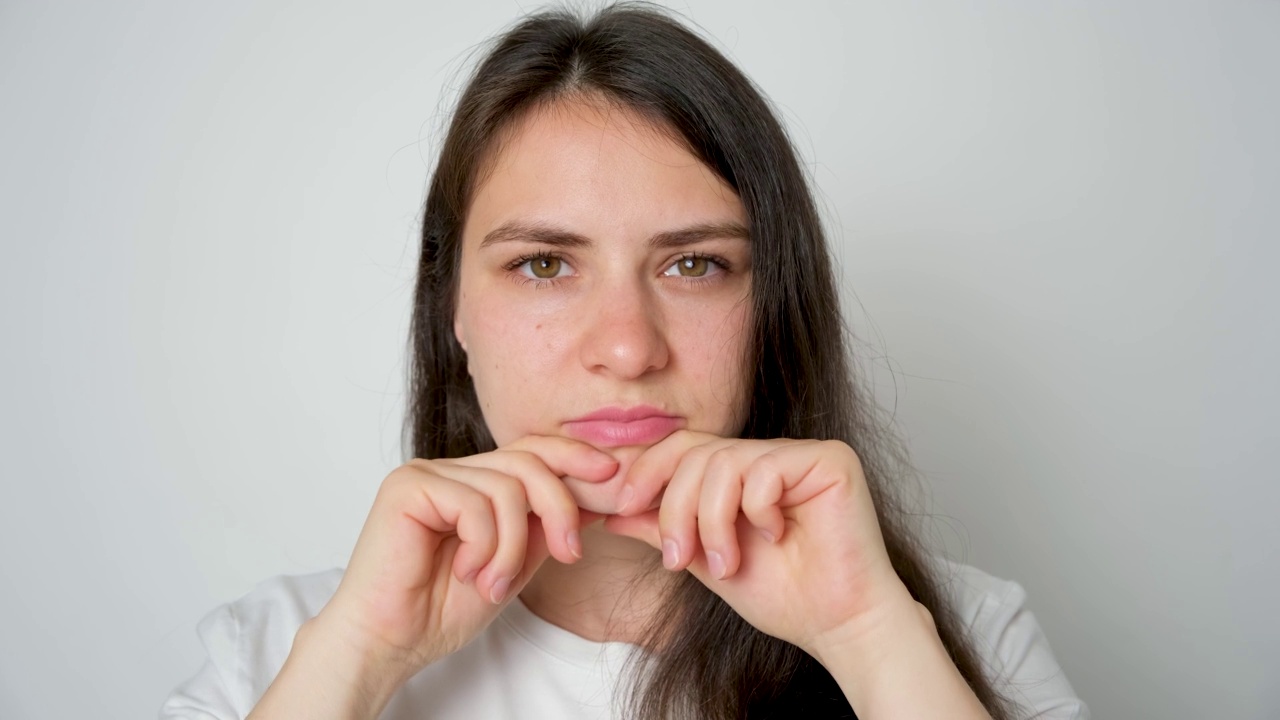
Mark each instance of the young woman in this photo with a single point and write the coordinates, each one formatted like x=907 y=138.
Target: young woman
x=645 y=482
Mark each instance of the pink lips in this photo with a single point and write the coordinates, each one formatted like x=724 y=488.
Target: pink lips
x=615 y=427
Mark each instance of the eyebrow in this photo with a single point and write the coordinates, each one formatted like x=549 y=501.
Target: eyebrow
x=559 y=237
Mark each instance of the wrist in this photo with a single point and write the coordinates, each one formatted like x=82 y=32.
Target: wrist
x=883 y=662
x=360 y=658
x=868 y=639
x=332 y=672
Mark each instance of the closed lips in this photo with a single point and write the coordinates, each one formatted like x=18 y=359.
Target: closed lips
x=613 y=427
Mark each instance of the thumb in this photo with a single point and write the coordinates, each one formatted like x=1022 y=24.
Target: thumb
x=589 y=517
x=642 y=527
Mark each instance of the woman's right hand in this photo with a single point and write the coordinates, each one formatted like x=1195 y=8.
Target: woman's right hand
x=449 y=541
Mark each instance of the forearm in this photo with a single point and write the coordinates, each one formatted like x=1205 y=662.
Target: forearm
x=329 y=677
x=900 y=669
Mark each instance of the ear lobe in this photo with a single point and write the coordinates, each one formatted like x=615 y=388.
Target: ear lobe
x=457 y=334
x=462 y=340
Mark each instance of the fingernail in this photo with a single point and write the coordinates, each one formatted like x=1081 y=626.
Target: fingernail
x=574 y=541
x=716 y=564
x=768 y=536
x=670 y=554
x=499 y=590
x=624 y=499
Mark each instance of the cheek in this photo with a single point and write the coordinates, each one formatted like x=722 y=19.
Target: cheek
x=514 y=358
x=717 y=345
x=508 y=335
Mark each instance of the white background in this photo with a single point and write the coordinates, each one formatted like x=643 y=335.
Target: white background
x=1057 y=222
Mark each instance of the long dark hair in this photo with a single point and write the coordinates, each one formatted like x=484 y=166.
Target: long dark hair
x=710 y=663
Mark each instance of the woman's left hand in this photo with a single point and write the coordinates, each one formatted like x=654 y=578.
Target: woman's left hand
x=784 y=531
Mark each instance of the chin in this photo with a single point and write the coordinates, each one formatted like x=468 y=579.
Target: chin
x=596 y=497
x=603 y=497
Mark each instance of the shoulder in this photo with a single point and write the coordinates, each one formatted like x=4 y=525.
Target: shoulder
x=1009 y=640
x=246 y=642
x=279 y=604
x=982 y=601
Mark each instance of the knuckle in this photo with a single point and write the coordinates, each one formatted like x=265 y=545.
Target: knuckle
x=413 y=473
x=846 y=453
x=768 y=464
x=752 y=501
x=508 y=491
x=475 y=504
x=701 y=453
x=556 y=504
x=400 y=483
x=529 y=467
x=521 y=458
x=408 y=472
x=838 y=447
x=721 y=459
x=526 y=458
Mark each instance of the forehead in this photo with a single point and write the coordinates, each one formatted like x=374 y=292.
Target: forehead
x=600 y=168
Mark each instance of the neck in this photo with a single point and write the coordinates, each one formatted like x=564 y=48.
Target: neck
x=606 y=596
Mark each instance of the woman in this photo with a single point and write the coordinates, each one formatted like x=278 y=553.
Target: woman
x=640 y=461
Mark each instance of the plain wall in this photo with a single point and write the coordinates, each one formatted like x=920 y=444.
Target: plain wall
x=1057 y=225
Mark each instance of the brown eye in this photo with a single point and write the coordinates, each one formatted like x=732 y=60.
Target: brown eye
x=693 y=266
x=545 y=268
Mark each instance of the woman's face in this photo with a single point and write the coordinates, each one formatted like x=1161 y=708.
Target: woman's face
x=611 y=319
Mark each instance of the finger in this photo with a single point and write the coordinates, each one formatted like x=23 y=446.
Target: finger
x=806 y=468
x=510 y=512
x=650 y=472
x=450 y=507
x=549 y=499
x=562 y=456
x=678 y=515
x=568 y=457
x=719 y=504
x=587 y=517
x=643 y=527
x=761 y=491
x=536 y=554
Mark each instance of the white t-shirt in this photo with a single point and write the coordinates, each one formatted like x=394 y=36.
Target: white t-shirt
x=522 y=666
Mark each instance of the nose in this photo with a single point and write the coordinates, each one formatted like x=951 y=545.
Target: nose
x=624 y=335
